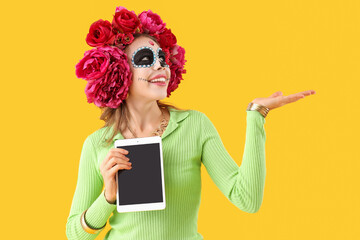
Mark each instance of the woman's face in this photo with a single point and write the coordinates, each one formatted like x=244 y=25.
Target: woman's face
x=147 y=62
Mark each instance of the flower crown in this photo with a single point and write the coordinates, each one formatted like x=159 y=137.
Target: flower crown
x=106 y=68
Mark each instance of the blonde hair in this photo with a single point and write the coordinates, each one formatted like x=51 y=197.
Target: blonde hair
x=115 y=117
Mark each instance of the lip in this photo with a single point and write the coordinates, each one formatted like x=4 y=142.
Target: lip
x=159 y=83
x=158 y=76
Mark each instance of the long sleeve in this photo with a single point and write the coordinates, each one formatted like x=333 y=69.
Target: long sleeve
x=88 y=195
x=244 y=185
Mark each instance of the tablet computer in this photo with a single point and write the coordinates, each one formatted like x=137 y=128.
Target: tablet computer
x=141 y=188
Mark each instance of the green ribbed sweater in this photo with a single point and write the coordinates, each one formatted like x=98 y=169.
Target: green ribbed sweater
x=189 y=140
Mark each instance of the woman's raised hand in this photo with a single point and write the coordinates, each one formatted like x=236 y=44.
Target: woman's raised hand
x=277 y=99
x=113 y=162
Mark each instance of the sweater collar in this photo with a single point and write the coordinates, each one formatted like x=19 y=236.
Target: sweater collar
x=176 y=116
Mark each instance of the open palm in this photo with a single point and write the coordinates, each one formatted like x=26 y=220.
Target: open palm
x=277 y=99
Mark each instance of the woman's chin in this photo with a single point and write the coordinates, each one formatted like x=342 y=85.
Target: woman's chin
x=160 y=93
x=163 y=96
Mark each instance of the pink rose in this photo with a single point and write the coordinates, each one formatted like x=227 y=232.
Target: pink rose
x=118 y=9
x=112 y=88
x=93 y=65
x=100 y=33
x=126 y=21
x=177 y=55
x=151 y=22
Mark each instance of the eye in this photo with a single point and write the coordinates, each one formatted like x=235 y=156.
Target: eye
x=162 y=56
x=144 y=58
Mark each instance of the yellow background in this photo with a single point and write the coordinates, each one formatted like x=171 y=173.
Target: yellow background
x=236 y=51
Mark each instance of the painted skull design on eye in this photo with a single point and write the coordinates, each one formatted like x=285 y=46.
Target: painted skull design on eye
x=146 y=57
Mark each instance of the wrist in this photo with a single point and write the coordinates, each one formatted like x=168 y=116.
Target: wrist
x=257 y=107
x=109 y=200
x=86 y=227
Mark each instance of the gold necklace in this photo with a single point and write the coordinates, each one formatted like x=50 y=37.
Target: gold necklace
x=158 y=132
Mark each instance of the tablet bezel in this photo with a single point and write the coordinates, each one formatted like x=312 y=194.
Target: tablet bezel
x=144 y=206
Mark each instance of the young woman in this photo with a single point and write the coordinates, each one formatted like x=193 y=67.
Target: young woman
x=135 y=64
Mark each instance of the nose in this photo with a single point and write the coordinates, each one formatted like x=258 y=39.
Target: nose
x=157 y=65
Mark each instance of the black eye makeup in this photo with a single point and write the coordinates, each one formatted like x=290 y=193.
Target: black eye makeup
x=146 y=57
x=162 y=58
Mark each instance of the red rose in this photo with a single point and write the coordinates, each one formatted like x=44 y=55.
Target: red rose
x=126 y=21
x=100 y=33
x=166 y=38
x=167 y=55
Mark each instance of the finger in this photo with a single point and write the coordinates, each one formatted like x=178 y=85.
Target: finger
x=112 y=153
x=120 y=150
x=276 y=94
x=114 y=161
x=116 y=168
x=119 y=155
x=307 y=93
x=293 y=98
x=312 y=92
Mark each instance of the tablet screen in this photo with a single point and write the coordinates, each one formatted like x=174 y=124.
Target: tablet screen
x=141 y=183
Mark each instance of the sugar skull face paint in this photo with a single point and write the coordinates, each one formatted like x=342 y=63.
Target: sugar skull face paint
x=146 y=57
x=148 y=82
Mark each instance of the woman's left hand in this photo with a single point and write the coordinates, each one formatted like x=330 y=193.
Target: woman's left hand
x=277 y=99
